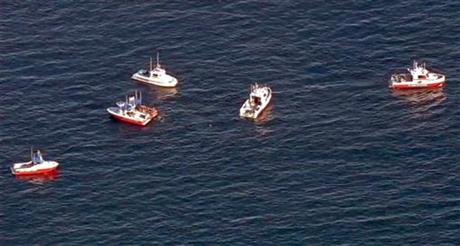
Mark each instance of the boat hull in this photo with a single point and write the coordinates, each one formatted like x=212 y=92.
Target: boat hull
x=40 y=178
x=405 y=86
x=419 y=84
x=168 y=83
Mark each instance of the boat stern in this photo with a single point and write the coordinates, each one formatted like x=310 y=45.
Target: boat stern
x=138 y=76
x=247 y=112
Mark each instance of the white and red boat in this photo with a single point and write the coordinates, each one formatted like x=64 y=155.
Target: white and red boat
x=259 y=98
x=36 y=166
x=155 y=75
x=418 y=77
x=132 y=111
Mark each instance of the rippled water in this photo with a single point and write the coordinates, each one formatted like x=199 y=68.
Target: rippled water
x=338 y=159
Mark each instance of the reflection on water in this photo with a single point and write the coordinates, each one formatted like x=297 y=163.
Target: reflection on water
x=161 y=93
x=127 y=129
x=421 y=96
x=422 y=100
x=164 y=93
x=40 y=178
x=265 y=116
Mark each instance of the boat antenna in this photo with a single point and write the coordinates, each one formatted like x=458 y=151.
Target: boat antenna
x=158 y=59
x=137 y=97
x=31 y=152
x=151 y=64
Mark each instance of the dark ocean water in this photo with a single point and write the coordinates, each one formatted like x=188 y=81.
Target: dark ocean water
x=338 y=159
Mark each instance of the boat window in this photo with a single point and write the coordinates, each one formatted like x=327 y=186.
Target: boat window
x=256 y=100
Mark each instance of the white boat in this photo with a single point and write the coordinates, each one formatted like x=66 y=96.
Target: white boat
x=418 y=77
x=155 y=76
x=259 y=98
x=36 y=166
x=132 y=111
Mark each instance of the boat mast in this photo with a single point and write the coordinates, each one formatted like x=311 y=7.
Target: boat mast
x=158 y=59
x=151 y=64
x=137 y=97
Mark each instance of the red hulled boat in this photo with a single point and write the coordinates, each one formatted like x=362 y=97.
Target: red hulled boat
x=417 y=77
x=132 y=111
x=36 y=166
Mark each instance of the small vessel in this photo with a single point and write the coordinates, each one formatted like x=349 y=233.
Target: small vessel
x=418 y=77
x=133 y=111
x=259 y=98
x=36 y=166
x=155 y=75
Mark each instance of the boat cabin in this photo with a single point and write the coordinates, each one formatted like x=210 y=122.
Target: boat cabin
x=418 y=71
x=157 y=72
x=256 y=101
